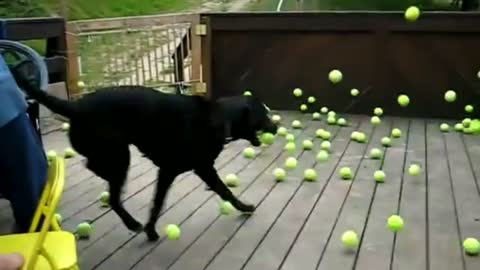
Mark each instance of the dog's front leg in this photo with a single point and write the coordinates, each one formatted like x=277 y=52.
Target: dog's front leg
x=209 y=175
x=164 y=180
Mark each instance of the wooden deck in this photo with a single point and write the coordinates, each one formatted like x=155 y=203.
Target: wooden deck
x=298 y=224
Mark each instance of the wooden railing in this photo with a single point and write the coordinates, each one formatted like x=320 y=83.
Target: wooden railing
x=161 y=51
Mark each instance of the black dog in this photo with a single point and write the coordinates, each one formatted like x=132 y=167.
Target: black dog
x=177 y=133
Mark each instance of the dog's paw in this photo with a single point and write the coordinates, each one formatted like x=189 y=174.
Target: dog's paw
x=246 y=208
x=152 y=234
x=134 y=226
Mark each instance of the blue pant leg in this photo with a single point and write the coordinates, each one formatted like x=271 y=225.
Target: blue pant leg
x=23 y=168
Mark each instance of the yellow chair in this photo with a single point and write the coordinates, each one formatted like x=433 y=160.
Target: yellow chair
x=47 y=249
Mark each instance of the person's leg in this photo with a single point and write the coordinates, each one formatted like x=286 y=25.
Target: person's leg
x=23 y=169
x=12 y=261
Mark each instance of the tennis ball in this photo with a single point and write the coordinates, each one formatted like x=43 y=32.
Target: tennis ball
x=296 y=124
x=376 y=153
x=326 y=145
x=458 y=127
x=247 y=93
x=282 y=131
x=290 y=147
x=444 y=127
x=346 y=173
x=414 y=169
x=231 y=180
x=311 y=99
x=471 y=246
x=386 y=141
x=290 y=137
x=403 y=100
x=332 y=114
x=291 y=163
x=378 y=111
x=450 y=96
x=396 y=133
x=361 y=137
x=319 y=132
x=350 y=239
x=249 y=152
x=84 y=230
x=276 y=118
x=303 y=107
x=173 y=232
x=65 y=127
x=375 y=120
x=104 y=198
x=51 y=154
x=354 y=135
x=297 y=92
x=412 y=13
x=466 y=122
x=58 y=218
x=326 y=135
x=395 y=223
x=280 y=174
x=379 y=176
x=354 y=92
x=226 y=208
x=81 y=84
x=469 y=108
x=310 y=175
x=69 y=152
x=342 y=122
x=316 y=116
x=307 y=144
x=267 y=138
x=335 y=76
x=331 y=120
x=324 y=110
x=322 y=156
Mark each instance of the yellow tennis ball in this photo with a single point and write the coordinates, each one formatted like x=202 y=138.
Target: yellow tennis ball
x=65 y=127
x=291 y=163
x=282 y=131
x=335 y=76
x=471 y=246
x=51 y=154
x=378 y=111
x=414 y=169
x=276 y=118
x=350 y=239
x=226 y=208
x=280 y=174
x=386 y=141
x=458 y=127
x=396 y=133
x=303 y=107
x=322 y=156
x=267 y=138
x=84 y=230
x=342 y=122
x=173 y=232
x=310 y=175
x=296 y=124
x=346 y=173
x=468 y=108
x=326 y=145
x=290 y=137
x=69 y=153
x=297 y=92
x=232 y=180
x=375 y=120
x=403 y=100
x=324 y=110
x=444 y=127
x=376 y=153
x=247 y=93
x=105 y=198
x=249 y=152
x=450 y=96
x=307 y=144
x=316 y=116
x=354 y=92
x=395 y=223
x=290 y=147
x=311 y=99
x=412 y=13
x=379 y=176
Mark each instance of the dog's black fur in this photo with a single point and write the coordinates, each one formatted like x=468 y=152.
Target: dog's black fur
x=177 y=133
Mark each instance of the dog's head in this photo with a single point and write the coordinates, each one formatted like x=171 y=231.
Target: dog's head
x=244 y=117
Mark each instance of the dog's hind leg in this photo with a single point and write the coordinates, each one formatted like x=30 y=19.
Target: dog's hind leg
x=209 y=175
x=165 y=179
x=112 y=164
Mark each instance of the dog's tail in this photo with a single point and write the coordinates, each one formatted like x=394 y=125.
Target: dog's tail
x=56 y=105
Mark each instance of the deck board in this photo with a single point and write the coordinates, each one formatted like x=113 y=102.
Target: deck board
x=297 y=224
